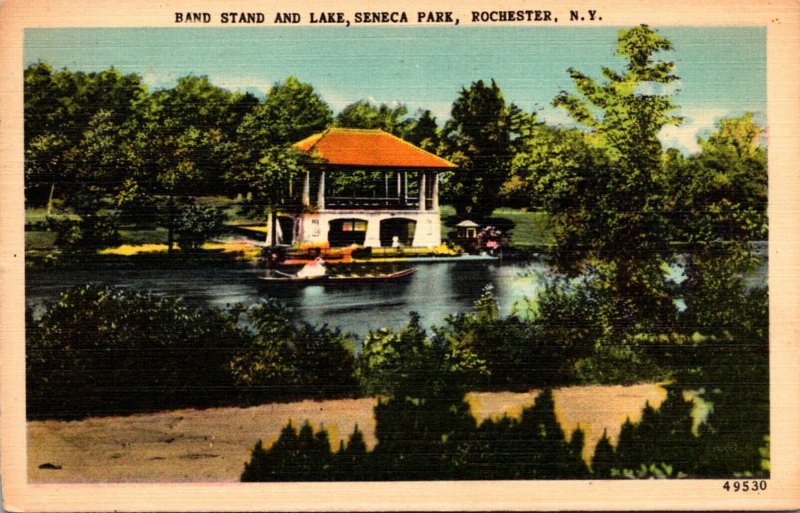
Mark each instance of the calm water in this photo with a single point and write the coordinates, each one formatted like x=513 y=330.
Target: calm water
x=435 y=291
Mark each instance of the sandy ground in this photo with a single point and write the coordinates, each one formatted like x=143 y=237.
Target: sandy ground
x=213 y=445
x=180 y=445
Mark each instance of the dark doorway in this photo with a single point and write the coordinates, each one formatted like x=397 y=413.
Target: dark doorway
x=346 y=232
x=286 y=231
x=398 y=227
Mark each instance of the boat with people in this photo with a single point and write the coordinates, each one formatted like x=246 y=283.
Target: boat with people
x=316 y=272
x=276 y=276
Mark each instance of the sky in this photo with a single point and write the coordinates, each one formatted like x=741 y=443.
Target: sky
x=722 y=70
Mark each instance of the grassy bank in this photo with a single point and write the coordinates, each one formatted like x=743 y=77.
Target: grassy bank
x=525 y=230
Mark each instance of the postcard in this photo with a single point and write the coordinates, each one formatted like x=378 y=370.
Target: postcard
x=399 y=256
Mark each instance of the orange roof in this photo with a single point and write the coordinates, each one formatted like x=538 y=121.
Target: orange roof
x=368 y=148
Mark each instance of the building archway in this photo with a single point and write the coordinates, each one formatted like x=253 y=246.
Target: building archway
x=286 y=228
x=400 y=227
x=346 y=232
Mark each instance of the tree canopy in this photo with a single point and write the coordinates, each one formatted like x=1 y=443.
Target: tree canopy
x=478 y=138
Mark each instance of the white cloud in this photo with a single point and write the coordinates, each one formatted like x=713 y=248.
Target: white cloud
x=658 y=89
x=335 y=100
x=440 y=110
x=241 y=83
x=555 y=116
x=696 y=122
x=158 y=80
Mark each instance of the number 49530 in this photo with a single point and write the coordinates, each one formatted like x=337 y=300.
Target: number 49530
x=745 y=486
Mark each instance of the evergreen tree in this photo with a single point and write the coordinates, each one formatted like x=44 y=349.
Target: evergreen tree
x=478 y=139
x=604 y=458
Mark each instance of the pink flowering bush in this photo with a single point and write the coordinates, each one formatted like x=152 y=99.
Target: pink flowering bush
x=491 y=239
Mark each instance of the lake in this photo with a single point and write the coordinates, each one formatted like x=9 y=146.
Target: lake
x=436 y=291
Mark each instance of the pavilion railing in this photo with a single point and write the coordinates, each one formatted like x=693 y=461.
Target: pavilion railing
x=338 y=202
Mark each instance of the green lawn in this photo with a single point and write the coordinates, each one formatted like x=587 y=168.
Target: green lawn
x=39 y=240
x=154 y=236
x=527 y=229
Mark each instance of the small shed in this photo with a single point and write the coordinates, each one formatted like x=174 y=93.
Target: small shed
x=467 y=230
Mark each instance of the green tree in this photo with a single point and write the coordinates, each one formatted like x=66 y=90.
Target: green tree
x=195 y=224
x=624 y=116
x=603 y=460
x=423 y=131
x=184 y=133
x=363 y=114
x=265 y=365
x=259 y=159
x=401 y=364
x=287 y=358
x=60 y=107
x=291 y=112
x=478 y=139
x=603 y=185
x=104 y=158
x=47 y=164
x=324 y=362
x=295 y=456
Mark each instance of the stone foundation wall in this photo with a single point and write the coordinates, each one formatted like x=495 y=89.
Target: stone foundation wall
x=315 y=227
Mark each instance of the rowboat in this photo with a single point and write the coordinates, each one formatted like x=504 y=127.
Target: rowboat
x=280 y=277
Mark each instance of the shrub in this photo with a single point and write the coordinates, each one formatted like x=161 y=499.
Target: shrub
x=195 y=224
x=106 y=350
x=284 y=358
x=95 y=229
x=425 y=439
x=402 y=364
x=102 y=350
x=306 y=456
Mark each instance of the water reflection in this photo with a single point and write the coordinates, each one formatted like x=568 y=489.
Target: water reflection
x=436 y=291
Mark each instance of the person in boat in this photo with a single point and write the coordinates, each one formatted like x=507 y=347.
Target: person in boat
x=313 y=269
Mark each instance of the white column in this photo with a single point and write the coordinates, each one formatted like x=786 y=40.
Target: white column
x=421 y=184
x=435 y=193
x=399 y=187
x=306 y=189
x=321 y=191
x=372 y=239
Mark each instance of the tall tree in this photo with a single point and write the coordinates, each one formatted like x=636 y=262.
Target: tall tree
x=186 y=130
x=363 y=114
x=291 y=112
x=60 y=108
x=423 y=131
x=624 y=116
x=260 y=159
x=478 y=139
x=603 y=184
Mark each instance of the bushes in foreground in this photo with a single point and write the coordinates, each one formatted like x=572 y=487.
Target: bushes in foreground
x=436 y=439
x=427 y=439
x=108 y=350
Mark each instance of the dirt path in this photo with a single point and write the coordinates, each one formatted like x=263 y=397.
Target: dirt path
x=213 y=445
x=181 y=445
